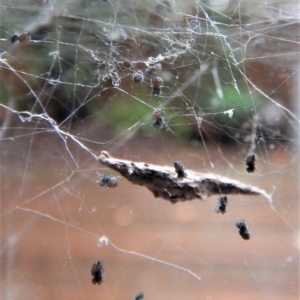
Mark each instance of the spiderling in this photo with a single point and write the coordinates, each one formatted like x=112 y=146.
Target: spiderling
x=108 y=181
x=222 y=204
x=155 y=69
x=97 y=272
x=138 y=76
x=156 y=83
x=243 y=230
x=158 y=115
x=250 y=162
x=179 y=169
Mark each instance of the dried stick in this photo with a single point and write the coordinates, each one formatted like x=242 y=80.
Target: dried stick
x=163 y=181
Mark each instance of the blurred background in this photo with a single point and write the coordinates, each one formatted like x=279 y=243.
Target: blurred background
x=79 y=77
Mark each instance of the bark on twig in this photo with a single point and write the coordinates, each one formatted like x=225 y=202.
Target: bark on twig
x=164 y=182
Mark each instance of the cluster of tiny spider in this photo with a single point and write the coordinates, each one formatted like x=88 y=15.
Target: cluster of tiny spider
x=241 y=225
x=112 y=181
x=156 y=81
x=156 y=84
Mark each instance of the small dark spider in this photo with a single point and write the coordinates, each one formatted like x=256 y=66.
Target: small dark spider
x=159 y=123
x=155 y=69
x=138 y=76
x=14 y=38
x=109 y=181
x=222 y=204
x=158 y=115
x=97 y=272
x=250 y=162
x=179 y=169
x=139 y=296
x=243 y=230
x=156 y=83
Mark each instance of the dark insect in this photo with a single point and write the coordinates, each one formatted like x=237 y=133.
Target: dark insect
x=139 y=296
x=97 y=272
x=222 y=204
x=138 y=76
x=156 y=85
x=14 y=38
x=243 y=230
x=158 y=116
x=155 y=69
x=179 y=169
x=24 y=39
x=250 y=162
x=109 y=181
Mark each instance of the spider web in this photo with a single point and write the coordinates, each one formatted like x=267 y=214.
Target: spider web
x=230 y=72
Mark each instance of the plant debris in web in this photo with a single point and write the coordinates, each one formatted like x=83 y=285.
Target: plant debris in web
x=97 y=272
x=222 y=205
x=108 y=181
x=163 y=181
x=243 y=230
x=250 y=162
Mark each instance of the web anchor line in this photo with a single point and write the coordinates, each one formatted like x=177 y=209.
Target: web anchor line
x=163 y=181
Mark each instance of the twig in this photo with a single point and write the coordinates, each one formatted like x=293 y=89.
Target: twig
x=163 y=181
